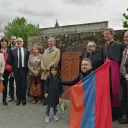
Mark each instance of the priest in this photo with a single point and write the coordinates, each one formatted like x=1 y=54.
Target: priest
x=112 y=51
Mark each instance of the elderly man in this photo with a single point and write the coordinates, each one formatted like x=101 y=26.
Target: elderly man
x=11 y=80
x=124 y=71
x=20 y=62
x=51 y=56
x=112 y=51
x=93 y=55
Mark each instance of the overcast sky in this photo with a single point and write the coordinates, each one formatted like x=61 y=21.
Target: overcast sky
x=45 y=12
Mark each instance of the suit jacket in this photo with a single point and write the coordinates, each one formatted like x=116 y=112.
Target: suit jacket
x=2 y=63
x=116 y=52
x=11 y=47
x=49 y=59
x=34 y=64
x=14 y=56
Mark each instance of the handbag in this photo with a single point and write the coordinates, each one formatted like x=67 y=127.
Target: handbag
x=36 y=89
x=8 y=68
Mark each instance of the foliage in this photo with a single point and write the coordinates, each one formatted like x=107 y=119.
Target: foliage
x=20 y=28
x=125 y=21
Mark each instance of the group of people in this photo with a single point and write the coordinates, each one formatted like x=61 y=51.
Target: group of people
x=117 y=54
x=38 y=73
x=34 y=73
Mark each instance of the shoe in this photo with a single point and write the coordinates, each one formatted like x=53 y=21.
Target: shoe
x=24 y=102
x=55 y=117
x=18 y=102
x=47 y=119
x=11 y=99
x=39 y=102
x=122 y=118
x=33 y=102
x=5 y=103
x=124 y=121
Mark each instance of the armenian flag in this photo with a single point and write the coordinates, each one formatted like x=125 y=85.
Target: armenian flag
x=90 y=101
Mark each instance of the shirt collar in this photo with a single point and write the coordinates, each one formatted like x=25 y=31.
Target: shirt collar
x=53 y=48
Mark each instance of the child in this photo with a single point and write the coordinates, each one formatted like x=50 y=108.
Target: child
x=52 y=89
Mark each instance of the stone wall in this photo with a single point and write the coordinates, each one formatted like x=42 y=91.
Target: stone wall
x=74 y=40
x=89 y=27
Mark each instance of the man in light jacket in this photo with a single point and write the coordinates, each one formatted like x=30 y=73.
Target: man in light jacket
x=51 y=56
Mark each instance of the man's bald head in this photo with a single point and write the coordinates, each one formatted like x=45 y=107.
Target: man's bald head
x=91 y=47
x=126 y=38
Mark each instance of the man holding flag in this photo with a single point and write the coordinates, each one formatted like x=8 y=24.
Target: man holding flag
x=86 y=69
x=90 y=97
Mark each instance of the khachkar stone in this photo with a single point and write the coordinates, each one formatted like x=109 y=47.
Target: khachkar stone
x=70 y=68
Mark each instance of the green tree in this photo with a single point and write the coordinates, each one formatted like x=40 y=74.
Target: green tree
x=125 y=21
x=20 y=28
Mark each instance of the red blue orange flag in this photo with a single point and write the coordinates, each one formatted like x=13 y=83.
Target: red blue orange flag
x=90 y=101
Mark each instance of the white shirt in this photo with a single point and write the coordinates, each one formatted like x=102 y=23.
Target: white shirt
x=22 y=56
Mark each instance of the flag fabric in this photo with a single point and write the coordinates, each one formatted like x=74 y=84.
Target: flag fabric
x=90 y=101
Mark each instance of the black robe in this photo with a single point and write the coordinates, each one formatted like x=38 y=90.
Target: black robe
x=95 y=57
x=113 y=52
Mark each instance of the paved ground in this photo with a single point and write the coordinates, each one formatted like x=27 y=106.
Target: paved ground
x=32 y=116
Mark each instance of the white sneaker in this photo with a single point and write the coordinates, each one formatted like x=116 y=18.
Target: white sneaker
x=47 y=119
x=55 y=117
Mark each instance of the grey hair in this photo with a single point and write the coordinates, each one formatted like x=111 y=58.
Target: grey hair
x=53 y=38
x=91 y=42
x=88 y=60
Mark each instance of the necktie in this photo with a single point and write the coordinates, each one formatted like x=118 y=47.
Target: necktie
x=20 y=58
x=50 y=49
x=124 y=58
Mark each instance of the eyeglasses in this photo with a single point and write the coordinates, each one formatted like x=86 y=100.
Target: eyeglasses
x=19 y=41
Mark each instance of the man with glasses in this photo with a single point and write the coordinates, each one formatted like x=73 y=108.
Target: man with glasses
x=20 y=62
x=93 y=55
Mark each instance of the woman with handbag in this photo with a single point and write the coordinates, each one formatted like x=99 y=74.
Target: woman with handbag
x=34 y=72
x=8 y=68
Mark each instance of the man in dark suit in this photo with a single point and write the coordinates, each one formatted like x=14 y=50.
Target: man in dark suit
x=93 y=55
x=11 y=80
x=20 y=62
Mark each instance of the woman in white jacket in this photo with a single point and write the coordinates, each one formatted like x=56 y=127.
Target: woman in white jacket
x=2 y=65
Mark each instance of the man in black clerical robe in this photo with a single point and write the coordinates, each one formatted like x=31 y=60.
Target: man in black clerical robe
x=93 y=55
x=112 y=51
